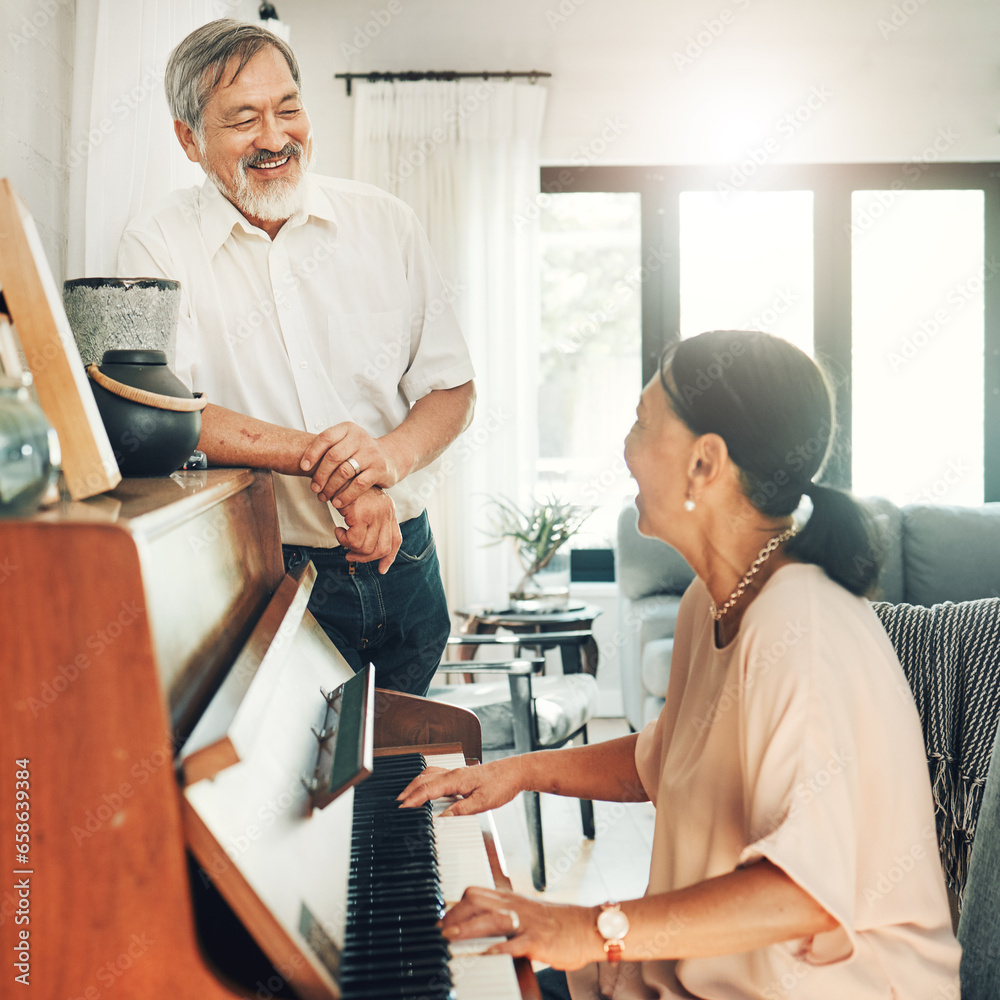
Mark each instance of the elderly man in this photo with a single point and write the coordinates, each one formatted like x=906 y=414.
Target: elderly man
x=315 y=320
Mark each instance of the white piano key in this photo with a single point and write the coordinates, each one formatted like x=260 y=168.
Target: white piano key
x=484 y=977
x=462 y=861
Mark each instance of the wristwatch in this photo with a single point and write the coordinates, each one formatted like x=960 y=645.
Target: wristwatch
x=612 y=925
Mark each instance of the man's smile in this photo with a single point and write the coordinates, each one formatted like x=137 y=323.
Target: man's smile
x=270 y=164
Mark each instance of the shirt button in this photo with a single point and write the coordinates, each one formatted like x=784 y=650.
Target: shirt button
x=303 y=364
x=317 y=425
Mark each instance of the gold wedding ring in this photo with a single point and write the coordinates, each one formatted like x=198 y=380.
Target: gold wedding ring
x=515 y=921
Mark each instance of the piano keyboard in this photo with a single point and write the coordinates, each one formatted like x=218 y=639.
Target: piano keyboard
x=407 y=867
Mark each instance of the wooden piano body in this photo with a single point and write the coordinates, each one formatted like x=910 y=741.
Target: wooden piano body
x=120 y=616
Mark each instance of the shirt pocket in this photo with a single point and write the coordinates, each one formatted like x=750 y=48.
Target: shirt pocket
x=368 y=355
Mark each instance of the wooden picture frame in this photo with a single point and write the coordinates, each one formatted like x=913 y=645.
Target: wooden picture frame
x=36 y=310
x=10 y=355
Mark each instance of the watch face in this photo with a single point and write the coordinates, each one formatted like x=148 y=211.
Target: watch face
x=612 y=924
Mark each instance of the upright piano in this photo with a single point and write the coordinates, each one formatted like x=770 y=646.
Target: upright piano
x=173 y=820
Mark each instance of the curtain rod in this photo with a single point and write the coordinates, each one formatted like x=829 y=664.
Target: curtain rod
x=410 y=76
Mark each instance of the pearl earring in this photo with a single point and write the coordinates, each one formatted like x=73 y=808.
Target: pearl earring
x=689 y=504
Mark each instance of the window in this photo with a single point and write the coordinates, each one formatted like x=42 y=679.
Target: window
x=590 y=350
x=746 y=263
x=917 y=345
x=861 y=265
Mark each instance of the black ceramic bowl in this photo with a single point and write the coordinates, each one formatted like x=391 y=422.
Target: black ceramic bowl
x=147 y=440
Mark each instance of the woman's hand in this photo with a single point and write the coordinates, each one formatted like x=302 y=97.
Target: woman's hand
x=482 y=787
x=564 y=936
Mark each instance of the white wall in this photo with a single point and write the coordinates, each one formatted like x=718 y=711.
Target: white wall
x=36 y=72
x=887 y=78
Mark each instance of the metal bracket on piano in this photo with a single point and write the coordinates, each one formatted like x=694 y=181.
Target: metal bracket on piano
x=344 y=743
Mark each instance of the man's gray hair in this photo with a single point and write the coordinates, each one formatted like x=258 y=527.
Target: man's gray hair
x=196 y=66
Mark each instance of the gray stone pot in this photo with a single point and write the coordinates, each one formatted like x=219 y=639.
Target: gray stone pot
x=111 y=314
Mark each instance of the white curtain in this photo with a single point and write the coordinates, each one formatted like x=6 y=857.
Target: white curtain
x=123 y=155
x=465 y=156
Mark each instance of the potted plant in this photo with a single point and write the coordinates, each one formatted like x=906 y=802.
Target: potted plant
x=538 y=532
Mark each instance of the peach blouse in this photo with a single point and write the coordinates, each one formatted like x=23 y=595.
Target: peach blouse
x=798 y=742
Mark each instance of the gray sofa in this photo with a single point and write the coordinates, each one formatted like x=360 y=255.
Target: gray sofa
x=932 y=554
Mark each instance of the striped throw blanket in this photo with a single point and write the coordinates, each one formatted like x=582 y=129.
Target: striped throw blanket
x=950 y=654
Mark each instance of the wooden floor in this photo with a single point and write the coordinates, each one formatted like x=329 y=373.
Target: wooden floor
x=615 y=865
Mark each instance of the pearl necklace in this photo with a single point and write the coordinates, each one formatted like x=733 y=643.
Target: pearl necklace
x=762 y=557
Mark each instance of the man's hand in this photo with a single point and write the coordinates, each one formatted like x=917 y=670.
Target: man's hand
x=334 y=477
x=373 y=531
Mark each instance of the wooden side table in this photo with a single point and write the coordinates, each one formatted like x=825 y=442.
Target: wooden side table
x=576 y=655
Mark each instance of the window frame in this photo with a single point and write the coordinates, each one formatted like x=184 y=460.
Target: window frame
x=660 y=187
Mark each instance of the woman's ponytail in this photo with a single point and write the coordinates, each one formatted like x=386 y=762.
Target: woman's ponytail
x=841 y=537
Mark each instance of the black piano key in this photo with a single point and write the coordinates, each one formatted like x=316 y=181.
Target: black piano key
x=393 y=947
x=396 y=953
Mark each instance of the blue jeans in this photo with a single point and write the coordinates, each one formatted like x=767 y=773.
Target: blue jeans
x=399 y=621
x=552 y=985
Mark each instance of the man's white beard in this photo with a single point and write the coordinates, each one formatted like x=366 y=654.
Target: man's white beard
x=276 y=201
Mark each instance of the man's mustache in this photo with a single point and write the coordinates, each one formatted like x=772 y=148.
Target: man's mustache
x=263 y=155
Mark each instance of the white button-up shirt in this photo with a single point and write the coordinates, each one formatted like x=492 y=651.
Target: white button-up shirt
x=343 y=316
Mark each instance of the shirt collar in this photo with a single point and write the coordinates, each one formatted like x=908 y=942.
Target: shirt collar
x=219 y=216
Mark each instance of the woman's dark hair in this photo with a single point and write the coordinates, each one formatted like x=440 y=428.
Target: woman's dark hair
x=772 y=406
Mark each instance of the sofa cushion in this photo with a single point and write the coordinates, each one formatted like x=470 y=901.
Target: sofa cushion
x=889 y=517
x=647 y=565
x=653 y=617
x=951 y=553
x=656 y=666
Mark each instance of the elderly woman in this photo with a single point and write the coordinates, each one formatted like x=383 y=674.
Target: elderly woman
x=794 y=851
